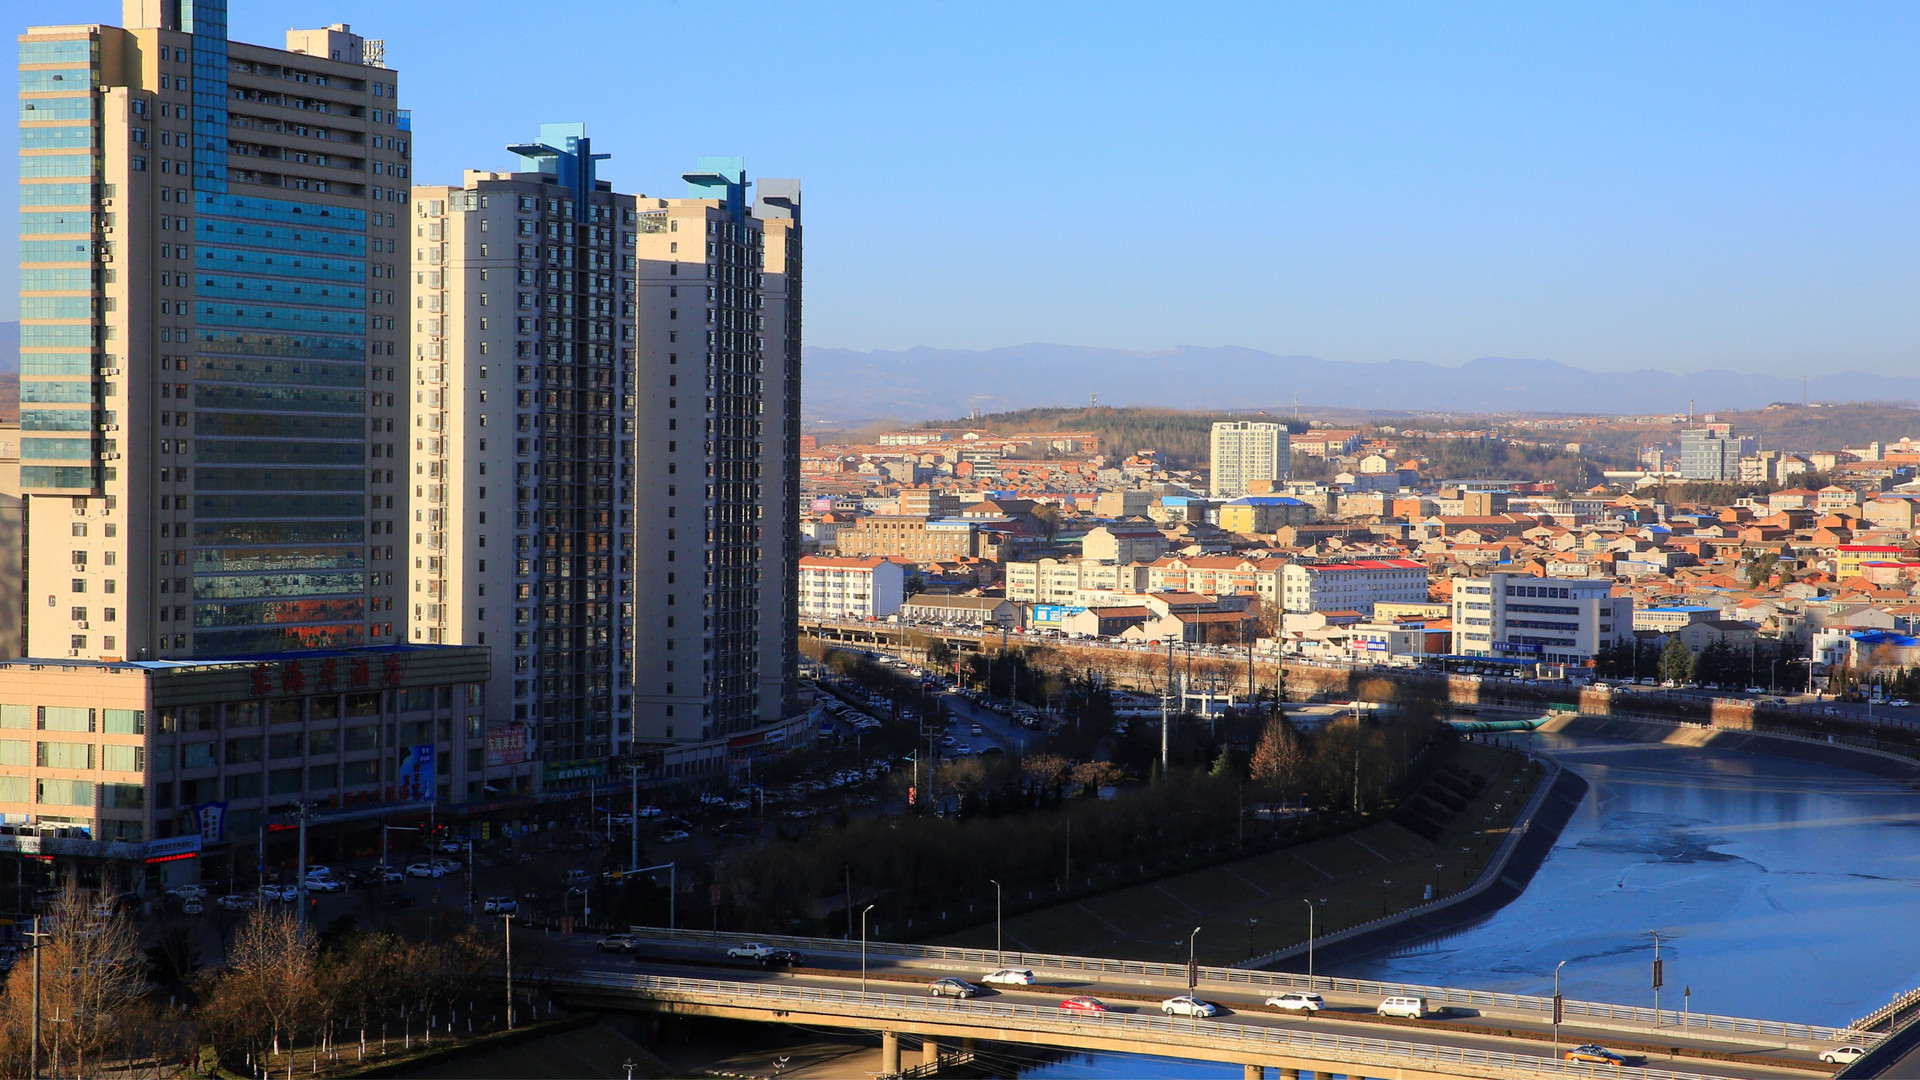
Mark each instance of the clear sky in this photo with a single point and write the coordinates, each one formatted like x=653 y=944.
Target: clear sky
x=1609 y=185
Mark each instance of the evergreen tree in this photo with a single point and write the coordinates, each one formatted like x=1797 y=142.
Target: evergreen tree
x=1676 y=660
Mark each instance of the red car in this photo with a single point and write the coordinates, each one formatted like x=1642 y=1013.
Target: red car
x=1084 y=1004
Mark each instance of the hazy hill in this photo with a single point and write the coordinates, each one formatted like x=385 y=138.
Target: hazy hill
x=843 y=385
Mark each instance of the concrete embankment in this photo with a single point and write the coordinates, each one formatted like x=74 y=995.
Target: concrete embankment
x=1504 y=878
x=1880 y=763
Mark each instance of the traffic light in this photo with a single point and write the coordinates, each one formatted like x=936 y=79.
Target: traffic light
x=912 y=795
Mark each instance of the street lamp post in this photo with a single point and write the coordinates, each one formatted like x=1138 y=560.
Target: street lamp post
x=508 y=915
x=999 y=946
x=1193 y=969
x=1556 y=1008
x=863 y=946
x=1309 y=904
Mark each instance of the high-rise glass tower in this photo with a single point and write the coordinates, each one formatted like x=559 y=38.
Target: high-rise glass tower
x=211 y=271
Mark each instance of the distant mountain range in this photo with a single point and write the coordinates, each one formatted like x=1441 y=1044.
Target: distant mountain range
x=844 y=386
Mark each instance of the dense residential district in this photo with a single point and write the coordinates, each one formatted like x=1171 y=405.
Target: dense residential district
x=390 y=563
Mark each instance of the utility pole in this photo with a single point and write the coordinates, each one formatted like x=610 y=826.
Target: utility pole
x=508 y=915
x=303 y=813
x=633 y=854
x=39 y=939
x=1166 y=717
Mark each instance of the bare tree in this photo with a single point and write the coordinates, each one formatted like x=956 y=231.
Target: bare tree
x=90 y=973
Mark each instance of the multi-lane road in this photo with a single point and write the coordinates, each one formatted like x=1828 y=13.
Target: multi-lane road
x=1350 y=1014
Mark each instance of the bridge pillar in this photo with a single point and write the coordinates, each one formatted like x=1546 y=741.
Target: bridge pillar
x=889 y=1052
x=1283 y=1073
x=1255 y=1072
x=929 y=1053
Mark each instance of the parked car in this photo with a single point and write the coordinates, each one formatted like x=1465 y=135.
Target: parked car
x=1591 y=1054
x=318 y=870
x=615 y=943
x=1188 y=1006
x=953 y=988
x=325 y=885
x=677 y=836
x=752 y=950
x=397 y=900
x=1084 y=1004
x=1412 y=1008
x=1900 y=703
x=1009 y=977
x=1842 y=1055
x=193 y=907
x=1295 y=1001
x=188 y=892
x=577 y=877
x=501 y=905
x=236 y=903
x=385 y=875
x=425 y=870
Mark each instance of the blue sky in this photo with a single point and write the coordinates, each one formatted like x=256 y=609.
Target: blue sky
x=1611 y=186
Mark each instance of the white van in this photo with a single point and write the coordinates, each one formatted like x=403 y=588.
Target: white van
x=1413 y=1008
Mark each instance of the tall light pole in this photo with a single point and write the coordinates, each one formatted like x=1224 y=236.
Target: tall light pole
x=863 y=946
x=1193 y=967
x=1556 y=1008
x=1309 y=904
x=999 y=948
x=508 y=915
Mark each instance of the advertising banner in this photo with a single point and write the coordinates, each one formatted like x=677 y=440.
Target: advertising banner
x=212 y=817
x=416 y=774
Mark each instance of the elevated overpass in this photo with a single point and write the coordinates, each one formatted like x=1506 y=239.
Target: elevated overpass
x=1480 y=1034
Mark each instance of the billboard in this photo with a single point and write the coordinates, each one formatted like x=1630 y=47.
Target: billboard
x=1516 y=647
x=212 y=818
x=507 y=744
x=416 y=774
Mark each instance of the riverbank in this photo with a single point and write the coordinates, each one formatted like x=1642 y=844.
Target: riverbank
x=1256 y=905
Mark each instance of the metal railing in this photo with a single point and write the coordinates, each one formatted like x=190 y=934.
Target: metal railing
x=1174 y=1033
x=1680 y=1021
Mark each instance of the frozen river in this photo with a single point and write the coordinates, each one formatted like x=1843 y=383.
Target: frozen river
x=1780 y=889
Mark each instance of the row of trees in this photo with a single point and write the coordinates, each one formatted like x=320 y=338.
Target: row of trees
x=1036 y=824
x=1718 y=663
x=280 y=989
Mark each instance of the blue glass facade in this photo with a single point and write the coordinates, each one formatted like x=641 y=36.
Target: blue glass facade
x=59 y=169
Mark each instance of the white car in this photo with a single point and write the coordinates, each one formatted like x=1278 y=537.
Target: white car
x=615 y=943
x=1842 y=1055
x=1188 y=1006
x=236 y=903
x=1296 y=1001
x=1010 y=977
x=677 y=836
x=317 y=870
x=501 y=905
x=425 y=870
x=193 y=907
x=188 y=892
x=324 y=885
x=752 y=950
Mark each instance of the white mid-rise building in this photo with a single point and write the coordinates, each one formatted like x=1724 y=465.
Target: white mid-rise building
x=1355 y=585
x=1521 y=617
x=838 y=588
x=1245 y=451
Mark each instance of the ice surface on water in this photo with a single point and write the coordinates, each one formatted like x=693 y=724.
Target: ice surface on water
x=1779 y=889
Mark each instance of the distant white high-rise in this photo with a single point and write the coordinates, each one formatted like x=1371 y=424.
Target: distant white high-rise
x=1245 y=451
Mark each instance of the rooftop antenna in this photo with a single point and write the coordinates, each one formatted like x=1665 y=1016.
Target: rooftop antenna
x=1689 y=410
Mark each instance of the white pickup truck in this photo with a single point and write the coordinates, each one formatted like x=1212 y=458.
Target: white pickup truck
x=752 y=950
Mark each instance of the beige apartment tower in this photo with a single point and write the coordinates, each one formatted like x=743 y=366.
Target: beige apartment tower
x=211 y=279
x=521 y=497
x=716 y=422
